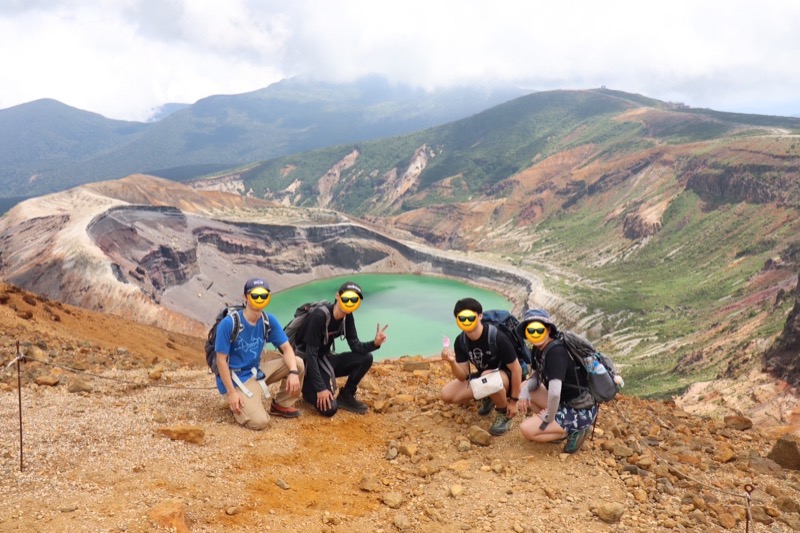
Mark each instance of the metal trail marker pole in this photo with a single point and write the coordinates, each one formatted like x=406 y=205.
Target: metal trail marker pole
x=19 y=398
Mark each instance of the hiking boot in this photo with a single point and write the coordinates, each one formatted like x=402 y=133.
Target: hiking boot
x=348 y=402
x=285 y=412
x=575 y=440
x=486 y=406
x=501 y=424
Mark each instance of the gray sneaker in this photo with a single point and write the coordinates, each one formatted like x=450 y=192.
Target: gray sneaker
x=501 y=425
x=485 y=407
x=575 y=440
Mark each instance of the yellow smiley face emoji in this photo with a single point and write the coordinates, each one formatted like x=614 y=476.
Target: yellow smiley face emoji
x=467 y=320
x=258 y=297
x=349 y=301
x=535 y=332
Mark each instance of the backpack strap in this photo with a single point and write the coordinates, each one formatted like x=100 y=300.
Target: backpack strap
x=237 y=324
x=267 y=327
x=575 y=364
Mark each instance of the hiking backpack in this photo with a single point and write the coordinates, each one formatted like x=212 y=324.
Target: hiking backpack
x=295 y=325
x=601 y=375
x=211 y=339
x=507 y=323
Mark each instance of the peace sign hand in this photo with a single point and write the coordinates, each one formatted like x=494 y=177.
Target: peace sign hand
x=380 y=335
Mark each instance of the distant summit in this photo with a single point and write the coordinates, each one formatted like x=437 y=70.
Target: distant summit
x=46 y=146
x=162 y=112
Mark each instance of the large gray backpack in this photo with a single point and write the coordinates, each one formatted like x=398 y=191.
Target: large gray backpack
x=598 y=368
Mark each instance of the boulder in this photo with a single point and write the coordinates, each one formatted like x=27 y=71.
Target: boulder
x=786 y=452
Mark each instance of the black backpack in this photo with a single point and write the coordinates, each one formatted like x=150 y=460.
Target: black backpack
x=507 y=323
x=211 y=339
x=294 y=329
x=601 y=375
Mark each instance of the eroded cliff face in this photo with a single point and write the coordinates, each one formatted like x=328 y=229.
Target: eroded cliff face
x=783 y=359
x=130 y=251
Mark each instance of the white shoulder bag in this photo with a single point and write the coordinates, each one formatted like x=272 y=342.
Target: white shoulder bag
x=487 y=384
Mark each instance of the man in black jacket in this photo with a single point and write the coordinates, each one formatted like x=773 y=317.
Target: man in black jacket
x=315 y=340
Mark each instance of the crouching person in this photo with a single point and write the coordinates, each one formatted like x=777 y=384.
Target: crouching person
x=488 y=349
x=550 y=394
x=242 y=378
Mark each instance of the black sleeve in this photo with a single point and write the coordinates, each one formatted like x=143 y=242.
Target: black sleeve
x=352 y=337
x=314 y=338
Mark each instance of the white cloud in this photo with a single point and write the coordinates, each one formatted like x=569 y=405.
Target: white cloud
x=123 y=57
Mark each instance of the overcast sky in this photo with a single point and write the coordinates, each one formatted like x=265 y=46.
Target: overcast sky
x=123 y=58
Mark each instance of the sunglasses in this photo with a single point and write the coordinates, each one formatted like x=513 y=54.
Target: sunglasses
x=349 y=299
x=465 y=319
x=535 y=331
x=259 y=295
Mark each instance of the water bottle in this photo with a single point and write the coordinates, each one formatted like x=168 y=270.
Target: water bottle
x=596 y=367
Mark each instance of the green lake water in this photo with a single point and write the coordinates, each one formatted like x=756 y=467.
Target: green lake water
x=418 y=309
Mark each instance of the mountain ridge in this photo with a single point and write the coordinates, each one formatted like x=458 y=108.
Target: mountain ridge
x=215 y=132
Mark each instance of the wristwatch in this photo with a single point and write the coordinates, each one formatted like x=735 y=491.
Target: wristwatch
x=543 y=425
x=295 y=372
x=513 y=399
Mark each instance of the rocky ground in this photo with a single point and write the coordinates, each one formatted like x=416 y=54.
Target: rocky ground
x=137 y=440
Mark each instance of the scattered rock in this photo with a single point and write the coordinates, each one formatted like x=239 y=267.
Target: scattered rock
x=282 y=484
x=48 y=380
x=409 y=450
x=170 y=514
x=737 y=422
x=610 y=513
x=456 y=491
x=786 y=452
x=78 y=384
x=369 y=483
x=479 y=436
x=156 y=373
x=393 y=500
x=401 y=522
x=183 y=432
x=787 y=505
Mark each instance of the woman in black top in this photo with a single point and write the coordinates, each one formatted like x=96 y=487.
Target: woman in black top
x=551 y=390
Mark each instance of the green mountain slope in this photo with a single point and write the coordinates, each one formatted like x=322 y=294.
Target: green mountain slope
x=673 y=232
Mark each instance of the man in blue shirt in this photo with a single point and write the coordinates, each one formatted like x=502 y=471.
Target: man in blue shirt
x=242 y=379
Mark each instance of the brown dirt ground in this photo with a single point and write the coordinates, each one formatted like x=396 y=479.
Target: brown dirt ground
x=95 y=461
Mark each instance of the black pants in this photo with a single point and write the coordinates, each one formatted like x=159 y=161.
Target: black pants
x=354 y=365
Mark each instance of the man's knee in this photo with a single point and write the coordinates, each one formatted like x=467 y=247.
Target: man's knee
x=257 y=422
x=328 y=412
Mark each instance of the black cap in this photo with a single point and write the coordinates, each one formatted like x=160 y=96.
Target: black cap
x=351 y=286
x=255 y=282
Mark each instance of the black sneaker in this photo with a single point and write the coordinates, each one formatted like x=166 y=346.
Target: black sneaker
x=348 y=402
x=486 y=406
x=575 y=440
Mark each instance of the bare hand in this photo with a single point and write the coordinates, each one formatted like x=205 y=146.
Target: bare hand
x=380 y=335
x=448 y=355
x=235 y=402
x=324 y=400
x=523 y=405
x=511 y=409
x=293 y=384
